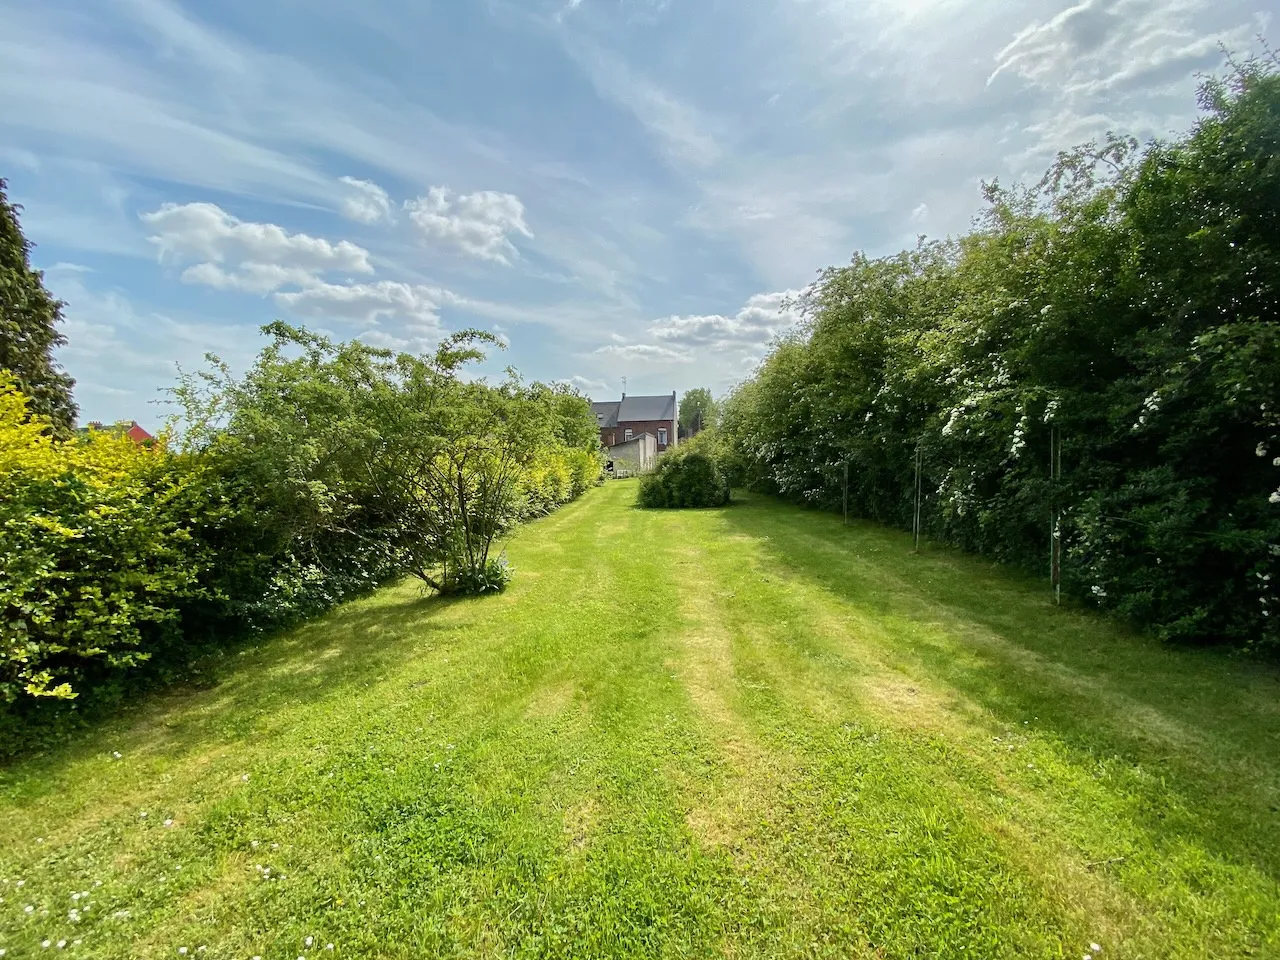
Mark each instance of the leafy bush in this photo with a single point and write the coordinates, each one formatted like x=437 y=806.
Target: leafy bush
x=686 y=476
x=1114 y=314
x=490 y=577
x=323 y=471
x=97 y=554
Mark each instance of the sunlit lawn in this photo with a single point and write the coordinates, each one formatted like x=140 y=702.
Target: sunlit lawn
x=740 y=732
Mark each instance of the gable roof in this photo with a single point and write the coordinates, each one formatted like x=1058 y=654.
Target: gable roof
x=606 y=412
x=610 y=413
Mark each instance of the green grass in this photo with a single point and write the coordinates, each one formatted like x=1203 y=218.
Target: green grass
x=748 y=732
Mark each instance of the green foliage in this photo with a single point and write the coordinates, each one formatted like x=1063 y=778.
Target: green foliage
x=697 y=409
x=29 y=317
x=96 y=552
x=1123 y=303
x=323 y=471
x=684 y=476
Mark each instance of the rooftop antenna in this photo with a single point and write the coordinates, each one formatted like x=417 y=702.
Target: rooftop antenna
x=624 y=388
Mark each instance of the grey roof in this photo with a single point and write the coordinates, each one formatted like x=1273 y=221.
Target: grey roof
x=648 y=408
x=610 y=413
x=606 y=412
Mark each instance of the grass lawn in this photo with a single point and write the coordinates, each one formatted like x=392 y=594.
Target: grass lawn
x=740 y=732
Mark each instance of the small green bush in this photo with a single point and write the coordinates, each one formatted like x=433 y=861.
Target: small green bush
x=684 y=478
x=491 y=576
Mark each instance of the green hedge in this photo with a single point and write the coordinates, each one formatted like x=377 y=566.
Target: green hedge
x=684 y=477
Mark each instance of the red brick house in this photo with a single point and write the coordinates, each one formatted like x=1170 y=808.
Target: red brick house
x=625 y=419
x=127 y=428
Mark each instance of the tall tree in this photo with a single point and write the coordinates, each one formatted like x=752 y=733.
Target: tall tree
x=29 y=316
x=697 y=409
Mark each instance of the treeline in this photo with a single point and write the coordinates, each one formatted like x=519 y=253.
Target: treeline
x=1099 y=358
x=324 y=471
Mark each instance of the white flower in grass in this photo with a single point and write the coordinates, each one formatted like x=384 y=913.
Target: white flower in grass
x=46 y=944
x=328 y=946
x=28 y=909
x=254 y=844
x=182 y=951
x=169 y=822
x=1095 y=948
x=116 y=754
x=75 y=896
x=307 y=942
x=20 y=883
x=1275 y=497
x=244 y=777
x=3 y=951
x=62 y=944
x=142 y=815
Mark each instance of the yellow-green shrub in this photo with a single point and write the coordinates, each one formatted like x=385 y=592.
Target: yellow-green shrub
x=94 y=558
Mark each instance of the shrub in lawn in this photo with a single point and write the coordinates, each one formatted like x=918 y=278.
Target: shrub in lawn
x=684 y=478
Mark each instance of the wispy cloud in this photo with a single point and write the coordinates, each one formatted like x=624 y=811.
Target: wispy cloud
x=365 y=202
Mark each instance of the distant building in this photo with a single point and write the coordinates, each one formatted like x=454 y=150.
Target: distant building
x=633 y=456
x=628 y=418
x=125 y=428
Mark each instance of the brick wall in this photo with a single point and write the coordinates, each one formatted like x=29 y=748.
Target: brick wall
x=611 y=435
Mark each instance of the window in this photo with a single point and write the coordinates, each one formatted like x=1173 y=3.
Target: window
x=662 y=437
x=626 y=435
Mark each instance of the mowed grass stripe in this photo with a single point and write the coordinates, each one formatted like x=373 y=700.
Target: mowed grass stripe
x=738 y=732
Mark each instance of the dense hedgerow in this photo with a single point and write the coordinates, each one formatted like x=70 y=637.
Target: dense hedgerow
x=1128 y=306
x=322 y=472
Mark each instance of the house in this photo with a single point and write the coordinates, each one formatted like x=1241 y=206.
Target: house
x=633 y=456
x=628 y=418
x=126 y=428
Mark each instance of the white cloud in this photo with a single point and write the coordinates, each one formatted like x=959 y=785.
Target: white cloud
x=1099 y=44
x=1108 y=65
x=367 y=303
x=587 y=385
x=204 y=231
x=248 y=277
x=266 y=256
x=724 y=346
x=365 y=202
x=761 y=319
x=651 y=353
x=479 y=224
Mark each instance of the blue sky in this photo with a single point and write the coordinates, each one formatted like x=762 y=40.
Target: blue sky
x=621 y=188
